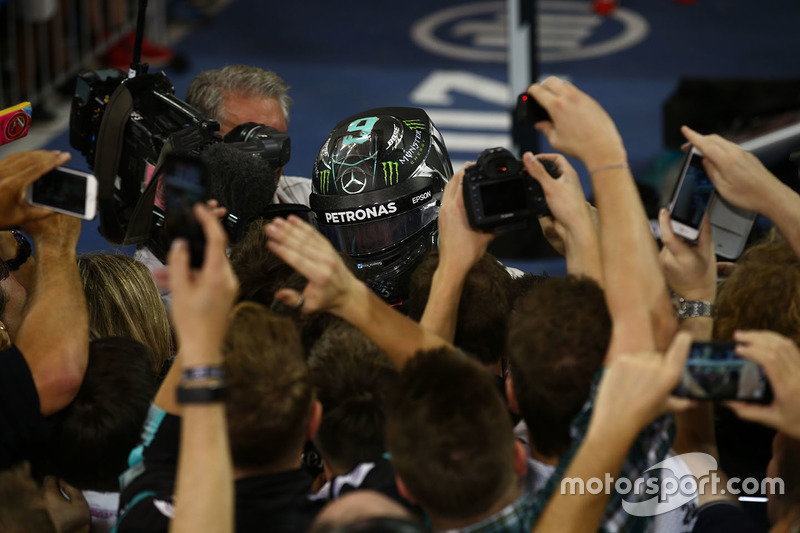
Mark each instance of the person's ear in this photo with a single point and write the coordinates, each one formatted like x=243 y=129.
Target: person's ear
x=403 y=490
x=314 y=420
x=511 y=396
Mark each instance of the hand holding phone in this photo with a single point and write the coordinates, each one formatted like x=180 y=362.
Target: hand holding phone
x=714 y=372
x=690 y=197
x=185 y=180
x=65 y=190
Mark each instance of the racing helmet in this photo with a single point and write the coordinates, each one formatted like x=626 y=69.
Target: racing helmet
x=376 y=189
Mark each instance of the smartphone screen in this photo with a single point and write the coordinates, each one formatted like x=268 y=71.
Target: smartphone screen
x=693 y=192
x=714 y=372
x=184 y=181
x=67 y=191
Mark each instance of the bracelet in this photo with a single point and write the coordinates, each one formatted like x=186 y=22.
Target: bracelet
x=23 y=251
x=195 y=373
x=214 y=392
x=609 y=167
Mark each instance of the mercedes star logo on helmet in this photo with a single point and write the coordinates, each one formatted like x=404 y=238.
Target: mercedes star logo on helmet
x=351 y=185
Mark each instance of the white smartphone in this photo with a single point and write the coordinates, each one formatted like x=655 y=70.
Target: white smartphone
x=67 y=191
x=690 y=197
x=730 y=226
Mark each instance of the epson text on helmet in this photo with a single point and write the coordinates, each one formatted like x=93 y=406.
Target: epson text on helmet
x=359 y=215
x=420 y=197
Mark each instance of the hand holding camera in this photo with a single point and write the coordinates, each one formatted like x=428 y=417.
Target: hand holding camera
x=500 y=195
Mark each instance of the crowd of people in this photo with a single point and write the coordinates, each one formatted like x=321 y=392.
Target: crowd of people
x=379 y=370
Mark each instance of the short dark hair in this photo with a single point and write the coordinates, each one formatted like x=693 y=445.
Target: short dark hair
x=449 y=434
x=269 y=392
x=557 y=340
x=4 y=273
x=483 y=310
x=261 y=273
x=104 y=422
x=352 y=379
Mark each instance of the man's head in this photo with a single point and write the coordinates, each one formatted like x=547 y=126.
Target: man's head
x=376 y=189
x=352 y=379
x=763 y=292
x=557 y=340
x=484 y=308
x=236 y=94
x=450 y=437
x=358 y=506
x=103 y=423
x=270 y=404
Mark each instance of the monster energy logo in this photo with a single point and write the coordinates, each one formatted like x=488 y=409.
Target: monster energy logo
x=414 y=124
x=324 y=181
x=390 y=172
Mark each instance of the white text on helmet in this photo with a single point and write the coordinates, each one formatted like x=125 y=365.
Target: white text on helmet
x=423 y=196
x=358 y=215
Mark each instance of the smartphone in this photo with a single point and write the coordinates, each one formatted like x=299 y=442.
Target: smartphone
x=690 y=197
x=185 y=184
x=529 y=111
x=730 y=227
x=714 y=372
x=67 y=191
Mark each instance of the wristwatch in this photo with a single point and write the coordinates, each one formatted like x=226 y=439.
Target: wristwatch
x=23 y=251
x=694 y=308
x=214 y=392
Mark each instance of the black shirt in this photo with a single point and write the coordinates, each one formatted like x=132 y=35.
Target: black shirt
x=275 y=502
x=21 y=422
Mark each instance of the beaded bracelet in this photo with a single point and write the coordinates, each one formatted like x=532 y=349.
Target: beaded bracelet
x=202 y=372
x=609 y=167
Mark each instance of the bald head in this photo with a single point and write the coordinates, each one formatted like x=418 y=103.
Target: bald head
x=356 y=506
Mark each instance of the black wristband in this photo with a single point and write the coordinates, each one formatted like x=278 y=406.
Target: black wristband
x=23 y=251
x=206 y=394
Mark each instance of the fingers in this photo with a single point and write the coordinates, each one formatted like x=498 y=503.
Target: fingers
x=178 y=272
x=292 y=298
x=679 y=405
x=537 y=171
x=299 y=245
x=752 y=412
x=705 y=242
x=672 y=243
x=27 y=167
x=216 y=238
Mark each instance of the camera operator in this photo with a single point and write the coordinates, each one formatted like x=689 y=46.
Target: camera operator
x=236 y=94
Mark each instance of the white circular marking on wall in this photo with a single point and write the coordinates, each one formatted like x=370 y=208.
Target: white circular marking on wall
x=477 y=32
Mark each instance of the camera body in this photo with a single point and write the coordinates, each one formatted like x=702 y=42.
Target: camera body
x=122 y=125
x=500 y=196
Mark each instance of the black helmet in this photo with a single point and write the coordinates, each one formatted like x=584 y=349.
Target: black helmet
x=376 y=189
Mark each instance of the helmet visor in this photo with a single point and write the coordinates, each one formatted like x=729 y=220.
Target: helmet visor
x=375 y=235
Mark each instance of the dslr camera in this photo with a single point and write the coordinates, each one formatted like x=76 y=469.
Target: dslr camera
x=500 y=195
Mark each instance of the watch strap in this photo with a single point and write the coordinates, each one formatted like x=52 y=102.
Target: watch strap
x=213 y=392
x=695 y=308
x=23 y=251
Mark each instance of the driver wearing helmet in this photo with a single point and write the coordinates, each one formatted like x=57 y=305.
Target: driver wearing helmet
x=377 y=184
